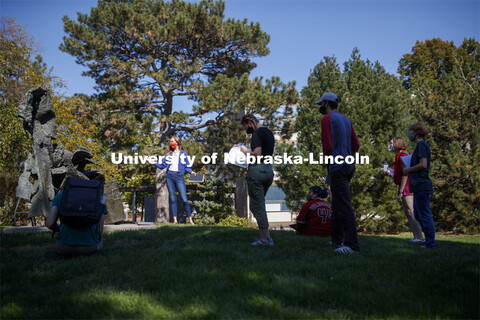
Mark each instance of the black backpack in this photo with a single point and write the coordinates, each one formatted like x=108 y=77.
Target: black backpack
x=80 y=206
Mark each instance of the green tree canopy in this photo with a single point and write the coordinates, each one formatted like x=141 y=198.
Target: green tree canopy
x=22 y=69
x=143 y=54
x=146 y=55
x=444 y=81
x=377 y=105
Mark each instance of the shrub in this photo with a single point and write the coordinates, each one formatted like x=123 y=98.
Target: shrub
x=235 y=221
x=203 y=219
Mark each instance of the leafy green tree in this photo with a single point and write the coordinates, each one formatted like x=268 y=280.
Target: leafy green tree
x=444 y=83
x=233 y=97
x=377 y=104
x=22 y=69
x=144 y=55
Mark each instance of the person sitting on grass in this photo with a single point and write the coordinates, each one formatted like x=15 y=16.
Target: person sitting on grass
x=74 y=241
x=314 y=217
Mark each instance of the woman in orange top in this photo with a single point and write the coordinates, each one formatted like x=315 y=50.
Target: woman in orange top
x=398 y=146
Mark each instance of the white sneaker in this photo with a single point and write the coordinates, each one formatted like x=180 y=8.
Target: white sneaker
x=259 y=242
x=344 y=249
x=416 y=240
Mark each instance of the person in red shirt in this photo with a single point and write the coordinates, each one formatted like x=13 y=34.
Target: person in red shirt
x=405 y=197
x=314 y=217
x=340 y=141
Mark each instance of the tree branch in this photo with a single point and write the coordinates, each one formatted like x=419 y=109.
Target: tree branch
x=463 y=75
x=193 y=128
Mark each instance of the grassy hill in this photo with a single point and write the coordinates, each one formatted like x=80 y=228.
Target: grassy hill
x=213 y=272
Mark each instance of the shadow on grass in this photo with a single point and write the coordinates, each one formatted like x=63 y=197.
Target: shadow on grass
x=213 y=272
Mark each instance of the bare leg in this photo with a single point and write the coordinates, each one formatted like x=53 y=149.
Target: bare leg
x=407 y=203
x=264 y=235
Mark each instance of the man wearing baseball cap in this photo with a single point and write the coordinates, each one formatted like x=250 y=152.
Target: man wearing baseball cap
x=339 y=139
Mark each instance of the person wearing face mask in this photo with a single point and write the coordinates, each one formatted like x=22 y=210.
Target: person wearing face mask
x=405 y=197
x=315 y=214
x=176 y=167
x=259 y=175
x=420 y=183
x=339 y=139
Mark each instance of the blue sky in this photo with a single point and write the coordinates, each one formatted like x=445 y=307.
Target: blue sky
x=302 y=32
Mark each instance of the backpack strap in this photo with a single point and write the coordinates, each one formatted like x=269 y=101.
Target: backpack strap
x=402 y=153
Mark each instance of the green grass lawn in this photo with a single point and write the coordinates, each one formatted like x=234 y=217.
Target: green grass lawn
x=213 y=272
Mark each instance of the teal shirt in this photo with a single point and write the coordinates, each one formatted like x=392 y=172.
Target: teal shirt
x=76 y=236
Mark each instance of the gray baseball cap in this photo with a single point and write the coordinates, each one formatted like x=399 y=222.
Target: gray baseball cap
x=329 y=96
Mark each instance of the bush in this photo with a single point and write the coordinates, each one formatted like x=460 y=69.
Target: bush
x=203 y=219
x=235 y=221
x=216 y=195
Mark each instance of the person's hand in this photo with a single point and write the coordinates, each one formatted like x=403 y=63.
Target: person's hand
x=400 y=196
x=405 y=170
x=244 y=149
x=193 y=172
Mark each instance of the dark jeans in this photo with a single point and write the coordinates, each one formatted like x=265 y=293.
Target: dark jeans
x=423 y=214
x=259 y=179
x=176 y=182
x=343 y=224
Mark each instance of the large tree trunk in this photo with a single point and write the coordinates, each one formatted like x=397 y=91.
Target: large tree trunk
x=162 y=211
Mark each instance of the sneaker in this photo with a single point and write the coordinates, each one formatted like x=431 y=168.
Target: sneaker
x=344 y=249
x=261 y=243
x=270 y=241
x=416 y=240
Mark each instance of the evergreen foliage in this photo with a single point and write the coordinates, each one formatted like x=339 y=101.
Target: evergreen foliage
x=148 y=57
x=144 y=54
x=444 y=83
x=216 y=195
x=377 y=105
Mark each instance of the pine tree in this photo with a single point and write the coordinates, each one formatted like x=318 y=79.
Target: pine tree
x=444 y=82
x=376 y=104
x=216 y=204
x=145 y=54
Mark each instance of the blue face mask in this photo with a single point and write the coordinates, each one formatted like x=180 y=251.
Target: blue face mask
x=390 y=146
x=411 y=135
x=309 y=197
